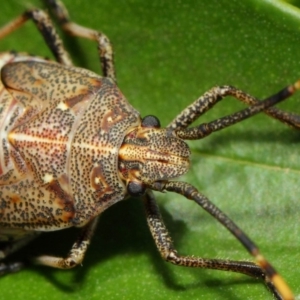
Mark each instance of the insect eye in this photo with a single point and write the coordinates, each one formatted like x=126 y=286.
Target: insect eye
x=150 y=121
x=136 y=188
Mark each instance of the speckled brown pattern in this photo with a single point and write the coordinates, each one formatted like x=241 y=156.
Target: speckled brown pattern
x=60 y=145
x=72 y=146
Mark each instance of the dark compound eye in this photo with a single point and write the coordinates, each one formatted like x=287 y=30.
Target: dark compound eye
x=135 y=188
x=150 y=121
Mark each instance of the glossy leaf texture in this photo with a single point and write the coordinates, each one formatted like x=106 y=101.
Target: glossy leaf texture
x=167 y=54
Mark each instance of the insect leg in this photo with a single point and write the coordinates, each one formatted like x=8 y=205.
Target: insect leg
x=262 y=269
x=165 y=246
x=10 y=247
x=213 y=96
x=77 y=252
x=7 y=268
x=45 y=26
x=104 y=46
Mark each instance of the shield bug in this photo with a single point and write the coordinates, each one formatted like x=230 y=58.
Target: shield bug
x=73 y=146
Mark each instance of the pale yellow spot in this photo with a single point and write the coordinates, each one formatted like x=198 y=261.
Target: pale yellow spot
x=97 y=180
x=62 y=106
x=114 y=151
x=47 y=178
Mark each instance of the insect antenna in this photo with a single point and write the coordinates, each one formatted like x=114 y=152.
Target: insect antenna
x=206 y=129
x=272 y=278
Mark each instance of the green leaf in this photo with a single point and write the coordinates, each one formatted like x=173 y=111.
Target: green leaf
x=168 y=54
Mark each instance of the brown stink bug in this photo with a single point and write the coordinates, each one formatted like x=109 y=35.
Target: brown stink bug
x=72 y=146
